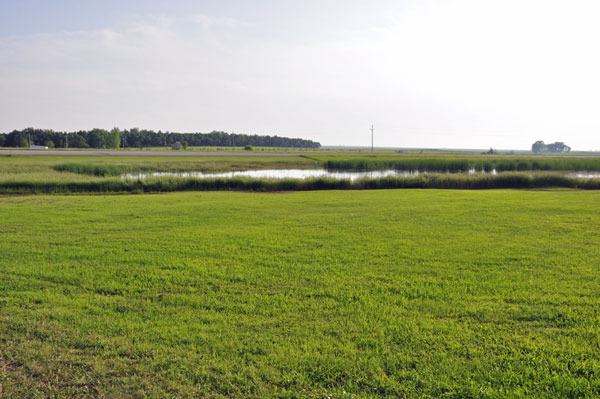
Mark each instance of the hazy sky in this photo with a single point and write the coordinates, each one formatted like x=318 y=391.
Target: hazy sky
x=456 y=73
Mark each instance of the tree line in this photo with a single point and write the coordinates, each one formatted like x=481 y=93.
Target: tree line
x=137 y=138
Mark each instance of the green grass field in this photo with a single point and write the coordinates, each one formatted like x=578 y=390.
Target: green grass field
x=337 y=294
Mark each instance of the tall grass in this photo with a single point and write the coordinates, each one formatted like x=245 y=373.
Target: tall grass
x=171 y=184
x=455 y=165
x=90 y=169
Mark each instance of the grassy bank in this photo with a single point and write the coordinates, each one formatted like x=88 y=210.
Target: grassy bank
x=361 y=294
x=23 y=164
x=171 y=184
x=462 y=164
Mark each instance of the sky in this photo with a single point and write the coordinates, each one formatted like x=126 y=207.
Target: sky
x=425 y=73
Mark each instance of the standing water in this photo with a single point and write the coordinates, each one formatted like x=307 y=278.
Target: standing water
x=286 y=174
x=586 y=175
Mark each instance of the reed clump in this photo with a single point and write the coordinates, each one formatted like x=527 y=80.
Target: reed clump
x=425 y=181
x=457 y=165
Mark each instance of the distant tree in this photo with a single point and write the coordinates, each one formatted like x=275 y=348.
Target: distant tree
x=538 y=146
x=100 y=138
x=559 y=146
x=176 y=145
x=49 y=144
x=77 y=141
x=248 y=148
x=2 y=140
x=114 y=138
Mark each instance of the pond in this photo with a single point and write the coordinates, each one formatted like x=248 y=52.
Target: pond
x=286 y=174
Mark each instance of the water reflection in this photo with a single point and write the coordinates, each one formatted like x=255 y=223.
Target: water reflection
x=586 y=175
x=287 y=174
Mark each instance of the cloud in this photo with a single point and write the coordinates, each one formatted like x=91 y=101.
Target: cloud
x=465 y=73
x=211 y=22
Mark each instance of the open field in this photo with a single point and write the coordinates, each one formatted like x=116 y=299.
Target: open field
x=268 y=151
x=207 y=151
x=155 y=152
x=339 y=294
x=23 y=164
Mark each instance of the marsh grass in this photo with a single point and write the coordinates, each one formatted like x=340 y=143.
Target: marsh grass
x=51 y=174
x=461 y=164
x=91 y=169
x=172 y=184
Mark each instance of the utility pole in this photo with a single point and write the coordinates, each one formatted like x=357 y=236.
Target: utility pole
x=67 y=140
x=29 y=139
x=371 y=138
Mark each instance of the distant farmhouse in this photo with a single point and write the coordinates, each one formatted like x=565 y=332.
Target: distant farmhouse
x=559 y=146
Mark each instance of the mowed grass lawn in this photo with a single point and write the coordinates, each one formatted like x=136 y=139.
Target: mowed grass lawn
x=333 y=294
